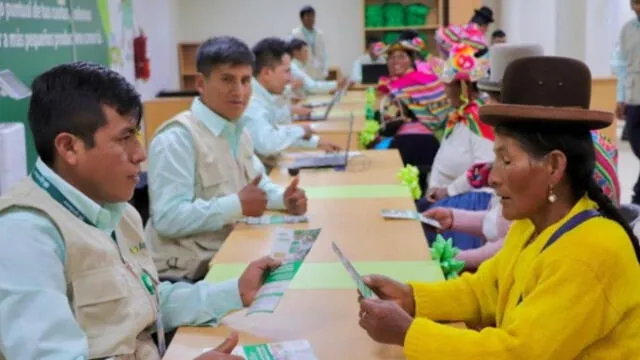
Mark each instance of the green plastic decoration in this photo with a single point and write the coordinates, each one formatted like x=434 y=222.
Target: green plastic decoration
x=409 y=177
x=369 y=133
x=445 y=253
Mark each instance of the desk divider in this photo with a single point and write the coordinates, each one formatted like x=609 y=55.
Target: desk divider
x=332 y=275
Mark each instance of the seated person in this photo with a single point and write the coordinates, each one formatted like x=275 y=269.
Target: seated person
x=564 y=285
x=272 y=72
x=203 y=173
x=298 y=50
x=501 y=56
x=466 y=141
x=492 y=226
x=411 y=101
x=498 y=37
x=372 y=56
x=77 y=279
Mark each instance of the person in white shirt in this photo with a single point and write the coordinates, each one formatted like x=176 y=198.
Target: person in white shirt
x=270 y=137
x=318 y=65
x=370 y=57
x=299 y=51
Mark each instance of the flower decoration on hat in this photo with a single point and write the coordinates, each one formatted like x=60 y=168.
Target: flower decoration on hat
x=379 y=48
x=463 y=64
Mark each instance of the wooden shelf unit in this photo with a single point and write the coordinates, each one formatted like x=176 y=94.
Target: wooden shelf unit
x=187 y=64
x=435 y=19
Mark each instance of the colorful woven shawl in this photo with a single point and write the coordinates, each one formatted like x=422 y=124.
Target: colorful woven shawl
x=469 y=115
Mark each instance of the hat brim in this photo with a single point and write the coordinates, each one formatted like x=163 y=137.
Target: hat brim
x=508 y=114
x=487 y=85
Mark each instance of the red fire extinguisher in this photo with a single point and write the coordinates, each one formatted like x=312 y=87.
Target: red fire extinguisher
x=143 y=70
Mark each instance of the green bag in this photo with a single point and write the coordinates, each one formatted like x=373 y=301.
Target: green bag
x=394 y=15
x=374 y=16
x=416 y=14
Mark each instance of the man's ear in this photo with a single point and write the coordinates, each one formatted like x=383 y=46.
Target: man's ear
x=67 y=147
x=201 y=81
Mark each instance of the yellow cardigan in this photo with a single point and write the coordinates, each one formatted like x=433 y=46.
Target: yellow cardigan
x=580 y=299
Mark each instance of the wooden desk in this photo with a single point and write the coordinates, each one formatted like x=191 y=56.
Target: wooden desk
x=328 y=318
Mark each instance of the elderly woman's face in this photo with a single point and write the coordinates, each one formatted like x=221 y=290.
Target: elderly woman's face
x=520 y=181
x=398 y=63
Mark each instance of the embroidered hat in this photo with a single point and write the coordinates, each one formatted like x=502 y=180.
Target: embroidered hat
x=463 y=64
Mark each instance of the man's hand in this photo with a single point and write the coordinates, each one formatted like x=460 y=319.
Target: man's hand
x=308 y=132
x=295 y=199
x=296 y=83
x=328 y=146
x=223 y=351
x=620 y=107
x=253 y=277
x=301 y=110
x=253 y=199
x=444 y=216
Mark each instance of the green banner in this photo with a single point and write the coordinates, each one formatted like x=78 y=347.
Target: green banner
x=36 y=35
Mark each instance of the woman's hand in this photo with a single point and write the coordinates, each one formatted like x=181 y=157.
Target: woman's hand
x=388 y=289
x=384 y=320
x=437 y=194
x=442 y=215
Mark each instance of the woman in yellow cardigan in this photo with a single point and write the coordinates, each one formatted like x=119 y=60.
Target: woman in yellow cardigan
x=565 y=285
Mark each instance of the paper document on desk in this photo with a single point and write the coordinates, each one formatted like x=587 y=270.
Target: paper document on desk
x=366 y=292
x=410 y=215
x=274 y=220
x=291 y=247
x=287 y=350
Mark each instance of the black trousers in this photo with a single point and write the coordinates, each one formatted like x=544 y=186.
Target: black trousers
x=633 y=124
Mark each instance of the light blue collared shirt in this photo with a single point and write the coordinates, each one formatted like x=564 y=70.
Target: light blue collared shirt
x=262 y=121
x=619 y=66
x=309 y=85
x=36 y=321
x=172 y=177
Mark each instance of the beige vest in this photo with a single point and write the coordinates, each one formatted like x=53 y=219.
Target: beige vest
x=218 y=174
x=105 y=291
x=630 y=48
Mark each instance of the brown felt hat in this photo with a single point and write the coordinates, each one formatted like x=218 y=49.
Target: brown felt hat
x=545 y=89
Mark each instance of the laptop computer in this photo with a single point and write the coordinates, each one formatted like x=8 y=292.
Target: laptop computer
x=371 y=73
x=326 y=160
x=329 y=106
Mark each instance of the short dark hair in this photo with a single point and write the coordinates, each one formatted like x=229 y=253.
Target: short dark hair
x=295 y=44
x=268 y=52
x=408 y=35
x=69 y=98
x=498 y=34
x=222 y=50
x=372 y=39
x=307 y=10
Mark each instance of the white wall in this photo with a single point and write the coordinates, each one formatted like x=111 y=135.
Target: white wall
x=341 y=21
x=158 y=20
x=583 y=29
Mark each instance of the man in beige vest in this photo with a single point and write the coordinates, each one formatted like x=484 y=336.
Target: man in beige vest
x=272 y=72
x=203 y=173
x=318 y=65
x=76 y=278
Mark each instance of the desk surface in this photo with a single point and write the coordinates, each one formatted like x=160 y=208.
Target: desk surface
x=328 y=318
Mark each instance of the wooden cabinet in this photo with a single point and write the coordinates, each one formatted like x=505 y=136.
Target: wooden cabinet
x=187 y=64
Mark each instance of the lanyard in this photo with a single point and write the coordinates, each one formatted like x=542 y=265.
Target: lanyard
x=147 y=280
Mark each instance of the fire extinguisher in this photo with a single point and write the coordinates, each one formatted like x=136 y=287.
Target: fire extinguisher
x=143 y=70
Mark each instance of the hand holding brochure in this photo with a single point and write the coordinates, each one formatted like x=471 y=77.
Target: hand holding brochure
x=290 y=246
x=366 y=292
x=410 y=215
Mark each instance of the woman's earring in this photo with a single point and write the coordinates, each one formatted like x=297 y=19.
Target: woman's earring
x=552 y=196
